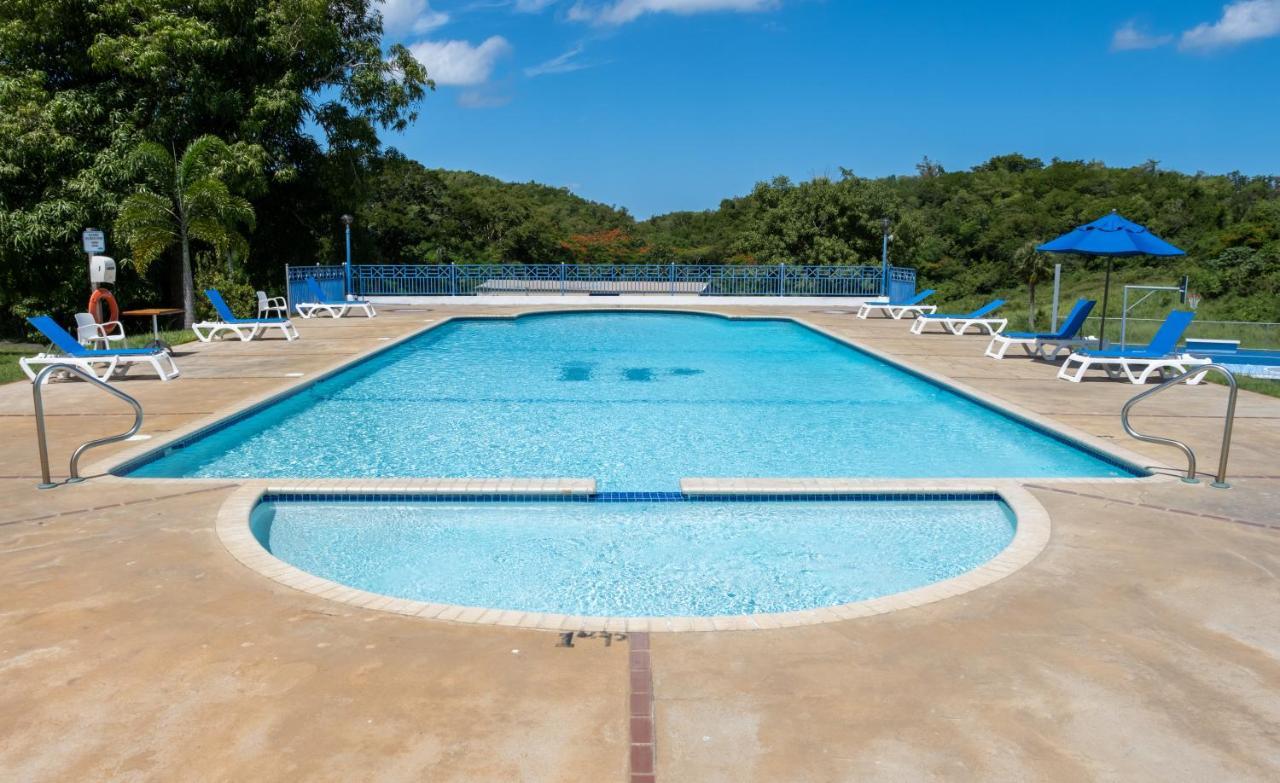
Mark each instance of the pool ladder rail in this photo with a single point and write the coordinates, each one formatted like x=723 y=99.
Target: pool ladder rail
x=37 y=392
x=1220 y=481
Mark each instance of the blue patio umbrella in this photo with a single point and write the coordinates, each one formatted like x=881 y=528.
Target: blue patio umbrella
x=1111 y=236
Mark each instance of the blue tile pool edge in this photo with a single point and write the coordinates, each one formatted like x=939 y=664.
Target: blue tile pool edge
x=912 y=496
x=124 y=468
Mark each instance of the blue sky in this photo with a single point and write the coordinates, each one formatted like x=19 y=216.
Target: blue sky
x=659 y=105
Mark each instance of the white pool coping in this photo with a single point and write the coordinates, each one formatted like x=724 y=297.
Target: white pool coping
x=1031 y=536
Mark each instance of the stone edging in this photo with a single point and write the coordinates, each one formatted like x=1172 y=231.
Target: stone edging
x=1030 y=539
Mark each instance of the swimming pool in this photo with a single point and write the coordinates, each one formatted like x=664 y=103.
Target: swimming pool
x=657 y=559
x=635 y=400
x=1254 y=362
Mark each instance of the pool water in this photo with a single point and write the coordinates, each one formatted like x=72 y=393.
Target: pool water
x=637 y=558
x=636 y=401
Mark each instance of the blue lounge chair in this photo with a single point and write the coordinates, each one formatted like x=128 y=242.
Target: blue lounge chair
x=244 y=328
x=896 y=310
x=334 y=307
x=115 y=360
x=1037 y=343
x=1137 y=364
x=958 y=324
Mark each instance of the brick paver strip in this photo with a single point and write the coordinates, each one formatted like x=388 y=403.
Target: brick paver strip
x=641 y=719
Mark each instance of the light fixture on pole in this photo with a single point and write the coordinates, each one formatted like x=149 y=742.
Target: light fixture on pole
x=346 y=222
x=884 y=257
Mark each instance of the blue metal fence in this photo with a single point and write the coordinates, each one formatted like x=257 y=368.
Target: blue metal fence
x=332 y=280
x=902 y=283
x=602 y=279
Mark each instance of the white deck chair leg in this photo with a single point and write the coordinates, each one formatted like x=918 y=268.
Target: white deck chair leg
x=1064 y=372
x=997 y=347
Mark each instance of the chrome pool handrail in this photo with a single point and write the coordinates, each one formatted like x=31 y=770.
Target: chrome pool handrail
x=1220 y=480
x=37 y=387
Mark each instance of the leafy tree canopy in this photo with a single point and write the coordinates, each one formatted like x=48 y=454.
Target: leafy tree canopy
x=84 y=82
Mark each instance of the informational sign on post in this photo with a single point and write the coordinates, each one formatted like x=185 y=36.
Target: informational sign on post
x=95 y=241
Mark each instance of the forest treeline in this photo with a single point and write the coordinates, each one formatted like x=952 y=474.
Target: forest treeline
x=217 y=143
x=967 y=233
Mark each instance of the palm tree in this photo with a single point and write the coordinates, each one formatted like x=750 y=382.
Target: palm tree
x=1031 y=267
x=185 y=198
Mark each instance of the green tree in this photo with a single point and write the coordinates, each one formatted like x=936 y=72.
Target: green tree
x=186 y=198
x=83 y=82
x=1031 y=267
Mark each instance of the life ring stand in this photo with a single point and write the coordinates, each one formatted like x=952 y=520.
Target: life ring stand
x=103 y=296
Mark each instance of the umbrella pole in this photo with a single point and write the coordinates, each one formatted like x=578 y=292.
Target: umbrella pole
x=1106 y=292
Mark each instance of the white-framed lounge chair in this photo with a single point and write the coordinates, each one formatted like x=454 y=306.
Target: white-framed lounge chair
x=1137 y=364
x=334 y=307
x=92 y=334
x=896 y=310
x=1039 y=343
x=958 y=324
x=272 y=306
x=244 y=328
x=102 y=363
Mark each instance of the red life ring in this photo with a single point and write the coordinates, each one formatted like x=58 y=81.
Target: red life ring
x=103 y=295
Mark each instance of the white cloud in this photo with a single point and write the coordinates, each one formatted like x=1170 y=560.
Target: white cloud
x=458 y=63
x=410 y=16
x=623 y=11
x=532 y=6
x=483 y=99
x=1131 y=37
x=1243 y=20
x=563 y=63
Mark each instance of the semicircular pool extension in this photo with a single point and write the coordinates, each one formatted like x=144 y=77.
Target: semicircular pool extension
x=634 y=400
x=611 y=557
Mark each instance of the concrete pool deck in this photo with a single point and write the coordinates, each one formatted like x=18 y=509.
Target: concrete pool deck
x=1142 y=644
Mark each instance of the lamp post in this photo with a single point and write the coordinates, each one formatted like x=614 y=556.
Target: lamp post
x=884 y=257
x=346 y=222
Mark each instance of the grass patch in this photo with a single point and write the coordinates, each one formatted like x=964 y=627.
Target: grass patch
x=1266 y=386
x=9 y=369
x=11 y=352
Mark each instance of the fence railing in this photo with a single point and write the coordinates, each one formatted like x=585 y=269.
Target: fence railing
x=332 y=280
x=603 y=279
x=1139 y=331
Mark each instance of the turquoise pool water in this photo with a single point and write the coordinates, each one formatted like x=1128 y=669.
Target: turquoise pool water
x=637 y=559
x=634 y=400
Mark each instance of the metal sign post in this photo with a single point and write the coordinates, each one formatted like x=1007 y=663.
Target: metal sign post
x=1057 y=287
x=93 y=241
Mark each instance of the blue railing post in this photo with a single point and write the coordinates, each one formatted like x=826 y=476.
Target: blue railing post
x=288 y=295
x=563 y=274
x=673 y=278
x=782 y=279
x=453 y=279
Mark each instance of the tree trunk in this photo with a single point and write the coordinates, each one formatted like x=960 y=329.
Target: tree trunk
x=188 y=284
x=1031 y=303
